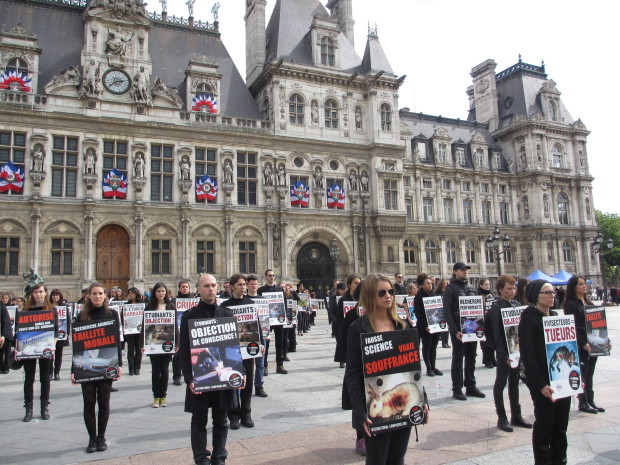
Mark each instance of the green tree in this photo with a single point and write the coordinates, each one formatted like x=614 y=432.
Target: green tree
x=609 y=226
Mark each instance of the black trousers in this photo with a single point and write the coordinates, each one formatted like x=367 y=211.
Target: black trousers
x=387 y=448
x=549 y=431
x=429 y=349
x=30 y=370
x=278 y=332
x=462 y=351
x=503 y=375
x=96 y=393
x=200 y=416
x=60 y=347
x=243 y=397
x=588 y=365
x=6 y=359
x=176 y=366
x=292 y=339
x=160 y=365
x=134 y=352
x=488 y=355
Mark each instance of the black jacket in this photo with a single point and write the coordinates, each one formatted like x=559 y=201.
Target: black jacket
x=533 y=349
x=498 y=332
x=420 y=312
x=97 y=313
x=6 y=329
x=454 y=290
x=576 y=308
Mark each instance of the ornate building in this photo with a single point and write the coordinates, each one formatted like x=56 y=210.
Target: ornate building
x=146 y=157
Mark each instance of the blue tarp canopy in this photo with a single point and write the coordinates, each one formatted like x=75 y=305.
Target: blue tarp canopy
x=540 y=275
x=563 y=276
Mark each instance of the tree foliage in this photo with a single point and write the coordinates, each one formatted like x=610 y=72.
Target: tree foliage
x=609 y=225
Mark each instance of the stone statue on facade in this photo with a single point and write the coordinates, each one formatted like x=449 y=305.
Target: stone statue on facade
x=141 y=85
x=364 y=181
x=358 y=118
x=526 y=207
x=314 y=112
x=163 y=90
x=318 y=178
x=276 y=241
x=185 y=169
x=138 y=165
x=33 y=279
x=546 y=205
x=267 y=174
x=117 y=42
x=90 y=158
x=38 y=157
x=353 y=181
x=281 y=175
x=190 y=7
x=164 y=5
x=228 y=172
x=214 y=9
x=91 y=85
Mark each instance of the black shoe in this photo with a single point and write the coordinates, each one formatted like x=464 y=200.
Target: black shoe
x=203 y=462
x=593 y=405
x=430 y=373
x=260 y=392
x=437 y=372
x=246 y=420
x=488 y=365
x=458 y=395
x=102 y=444
x=585 y=407
x=519 y=421
x=56 y=377
x=342 y=364
x=280 y=369
x=177 y=382
x=286 y=359
x=45 y=411
x=475 y=392
x=136 y=372
x=503 y=424
x=5 y=371
x=92 y=445
x=291 y=350
x=235 y=423
x=131 y=373
x=28 y=415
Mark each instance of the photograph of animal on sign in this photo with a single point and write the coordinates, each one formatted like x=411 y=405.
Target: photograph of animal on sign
x=393 y=399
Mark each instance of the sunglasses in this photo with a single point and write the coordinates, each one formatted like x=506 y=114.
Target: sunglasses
x=271 y=275
x=382 y=292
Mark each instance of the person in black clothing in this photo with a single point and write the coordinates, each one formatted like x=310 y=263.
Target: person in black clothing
x=57 y=299
x=551 y=416
x=429 y=341
x=96 y=307
x=459 y=286
x=135 y=342
x=278 y=331
x=198 y=403
x=259 y=372
x=183 y=293
x=505 y=373
x=353 y=281
x=340 y=291
x=574 y=304
x=488 y=349
x=6 y=339
x=37 y=301
x=242 y=411
x=444 y=336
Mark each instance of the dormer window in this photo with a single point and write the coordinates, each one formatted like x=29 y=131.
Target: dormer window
x=328 y=51
x=497 y=161
x=296 y=109
x=441 y=153
x=460 y=156
x=331 y=113
x=16 y=76
x=553 y=111
x=557 y=156
x=204 y=99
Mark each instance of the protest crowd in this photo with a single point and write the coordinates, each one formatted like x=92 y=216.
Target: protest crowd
x=218 y=339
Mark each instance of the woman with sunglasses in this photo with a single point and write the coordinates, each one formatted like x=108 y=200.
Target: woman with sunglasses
x=377 y=299
x=57 y=299
x=551 y=416
x=340 y=356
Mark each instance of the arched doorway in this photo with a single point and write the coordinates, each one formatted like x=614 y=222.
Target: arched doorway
x=315 y=268
x=113 y=256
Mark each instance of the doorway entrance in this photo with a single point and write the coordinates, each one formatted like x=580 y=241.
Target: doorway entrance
x=315 y=268
x=112 y=257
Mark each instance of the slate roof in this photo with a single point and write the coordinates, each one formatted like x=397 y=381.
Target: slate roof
x=375 y=58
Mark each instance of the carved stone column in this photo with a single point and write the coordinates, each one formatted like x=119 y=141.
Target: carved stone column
x=283 y=247
x=139 y=231
x=270 y=223
x=228 y=222
x=367 y=242
x=88 y=246
x=185 y=257
x=356 y=264
x=36 y=225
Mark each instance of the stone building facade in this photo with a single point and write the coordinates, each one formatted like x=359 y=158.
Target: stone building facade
x=106 y=85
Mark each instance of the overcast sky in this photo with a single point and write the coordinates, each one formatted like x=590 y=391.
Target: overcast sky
x=437 y=42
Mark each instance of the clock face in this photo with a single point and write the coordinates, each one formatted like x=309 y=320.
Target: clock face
x=116 y=81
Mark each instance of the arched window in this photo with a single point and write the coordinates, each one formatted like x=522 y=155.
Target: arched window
x=557 y=155
x=431 y=251
x=409 y=249
x=450 y=252
x=296 y=109
x=328 y=53
x=553 y=111
x=19 y=79
x=562 y=208
x=470 y=251
x=204 y=100
x=567 y=250
x=331 y=113
x=386 y=117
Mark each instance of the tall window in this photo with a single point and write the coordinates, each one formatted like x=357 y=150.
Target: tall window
x=331 y=113
x=427 y=209
x=508 y=256
x=466 y=186
x=13 y=149
x=390 y=194
x=247 y=257
x=567 y=250
x=409 y=249
x=409 y=208
x=503 y=212
x=390 y=254
x=247 y=172
x=470 y=252
x=160 y=256
x=562 y=208
x=553 y=111
x=64 y=166
x=447 y=184
x=296 y=109
x=62 y=256
x=450 y=252
x=386 y=117
x=486 y=211
x=427 y=183
x=468 y=216
x=327 y=51
x=480 y=158
x=557 y=155
x=162 y=170
x=431 y=252
x=206 y=163
x=421 y=148
x=489 y=256
x=441 y=153
x=448 y=210
x=497 y=161
x=460 y=156
x=9 y=256
x=204 y=90
x=115 y=155
x=205 y=256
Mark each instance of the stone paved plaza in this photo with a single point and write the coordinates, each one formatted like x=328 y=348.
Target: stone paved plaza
x=301 y=422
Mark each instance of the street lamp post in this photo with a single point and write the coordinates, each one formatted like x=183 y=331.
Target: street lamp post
x=334 y=253
x=493 y=245
x=598 y=249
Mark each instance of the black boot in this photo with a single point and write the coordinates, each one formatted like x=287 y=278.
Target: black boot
x=92 y=445
x=518 y=420
x=592 y=404
x=584 y=406
x=28 y=415
x=45 y=410
x=502 y=423
x=102 y=444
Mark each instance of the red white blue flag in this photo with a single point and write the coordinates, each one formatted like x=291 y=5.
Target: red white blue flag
x=11 y=178
x=300 y=194
x=204 y=103
x=206 y=188
x=335 y=196
x=15 y=80
x=114 y=184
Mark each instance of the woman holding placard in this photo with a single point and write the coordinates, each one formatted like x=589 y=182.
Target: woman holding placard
x=57 y=299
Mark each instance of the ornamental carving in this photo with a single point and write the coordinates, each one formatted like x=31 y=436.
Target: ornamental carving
x=20 y=32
